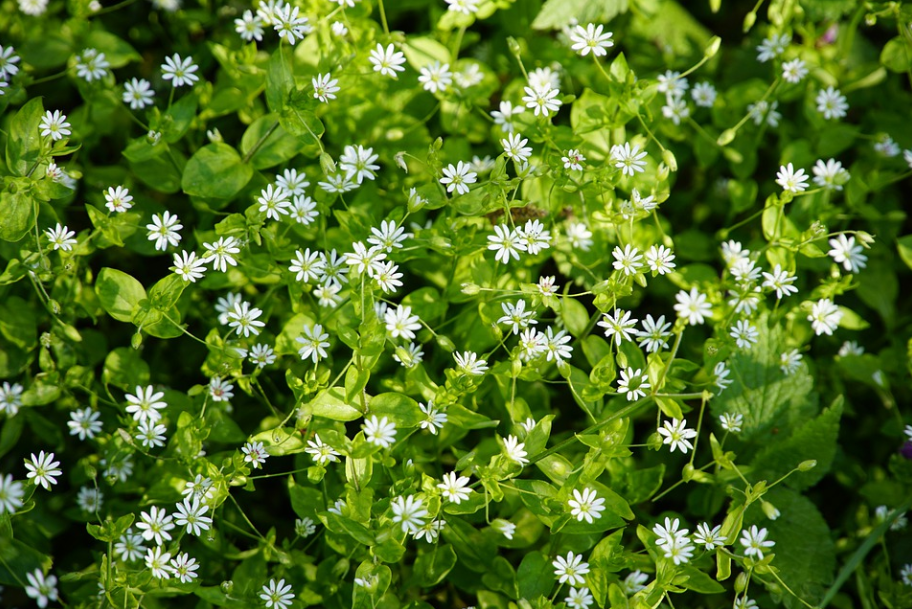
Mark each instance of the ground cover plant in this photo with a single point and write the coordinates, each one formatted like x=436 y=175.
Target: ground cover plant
x=463 y=303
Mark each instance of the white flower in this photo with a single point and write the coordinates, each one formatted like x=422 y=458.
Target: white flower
x=358 y=163
x=850 y=347
x=84 y=423
x=434 y=419
x=157 y=560
x=249 y=26
x=789 y=361
x=516 y=316
x=704 y=94
x=542 y=100
x=534 y=236
x=676 y=109
x=791 y=180
x=532 y=343
x=387 y=277
x=10 y=398
x=591 y=39
x=619 y=325
x=363 y=259
x=274 y=202
x=179 y=71
x=907 y=156
x=304 y=527
x=825 y=316
x=672 y=84
x=780 y=281
x=469 y=363
x=515 y=450
x=469 y=76
x=628 y=158
x=710 y=538
x=164 y=230
x=692 y=306
x=8 y=61
x=659 y=259
x=556 y=345
x=61 y=237
x=906 y=574
x=504 y=116
x=506 y=242
x=731 y=422
x=634 y=582
x=314 y=343
x=277 y=594
x=150 y=434
x=184 y=568
x=544 y=77
x=145 y=405
x=794 y=71
x=579 y=598
x=290 y=25
x=506 y=528
x=89 y=499
x=763 y=108
x=190 y=514
x=381 y=432
x=118 y=199
x=677 y=435
x=586 y=505
x=654 y=335
x=91 y=65
x=219 y=390
x=188 y=267
x=307 y=265
x=546 y=286
x=321 y=452
x=401 y=322
x=54 y=125
x=304 y=210
x=675 y=543
x=755 y=542
x=387 y=61
x=11 y=494
x=388 y=236
x=570 y=569
x=631 y=377
x=628 y=260
x=831 y=103
x=574 y=160
x=773 y=46
x=579 y=235
x=514 y=146
x=138 y=93
x=220 y=253
x=43 y=470
x=463 y=6
x=830 y=175
x=409 y=513
x=454 y=487
x=886 y=146
x=744 y=333
x=41 y=588
x=412 y=355
x=155 y=525
x=847 y=253
x=458 y=177
x=130 y=546
x=255 y=454
x=436 y=77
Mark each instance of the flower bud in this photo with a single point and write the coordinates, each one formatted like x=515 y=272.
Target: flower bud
x=470 y=289
x=806 y=466
x=727 y=137
x=713 y=47
x=136 y=341
x=445 y=343
x=214 y=135
x=769 y=509
x=669 y=158
x=513 y=45
x=740 y=583
x=749 y=20
x=327 y=164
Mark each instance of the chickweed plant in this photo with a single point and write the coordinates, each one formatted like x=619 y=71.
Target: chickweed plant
x=433 y=304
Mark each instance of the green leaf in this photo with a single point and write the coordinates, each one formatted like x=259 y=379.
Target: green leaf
x=904 y=245
x=118 y=293
x=124 y=368
x=118 y=52
x=896 y=55
x=177 y=120
x=279 y=80
x=330 y=403
x=17 y=214
x=298 y=118
x=431 y=567
x=697 y=580
x=815 y=439
x=420 y=51
x=400 y=409
x=18 y=323
x=761 y=392
x=555 y=14
x=575 y=316
x=535 y=576
x=215 y=171
x=805 y=552
x=277 y=145
x=24 y=140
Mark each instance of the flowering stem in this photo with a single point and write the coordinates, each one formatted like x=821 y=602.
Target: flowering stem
x=693 y=453
x=648 y=131
x=112 y=8
x=674 y=352
x=456 y=47
x=383 y=18
x=49 y=78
